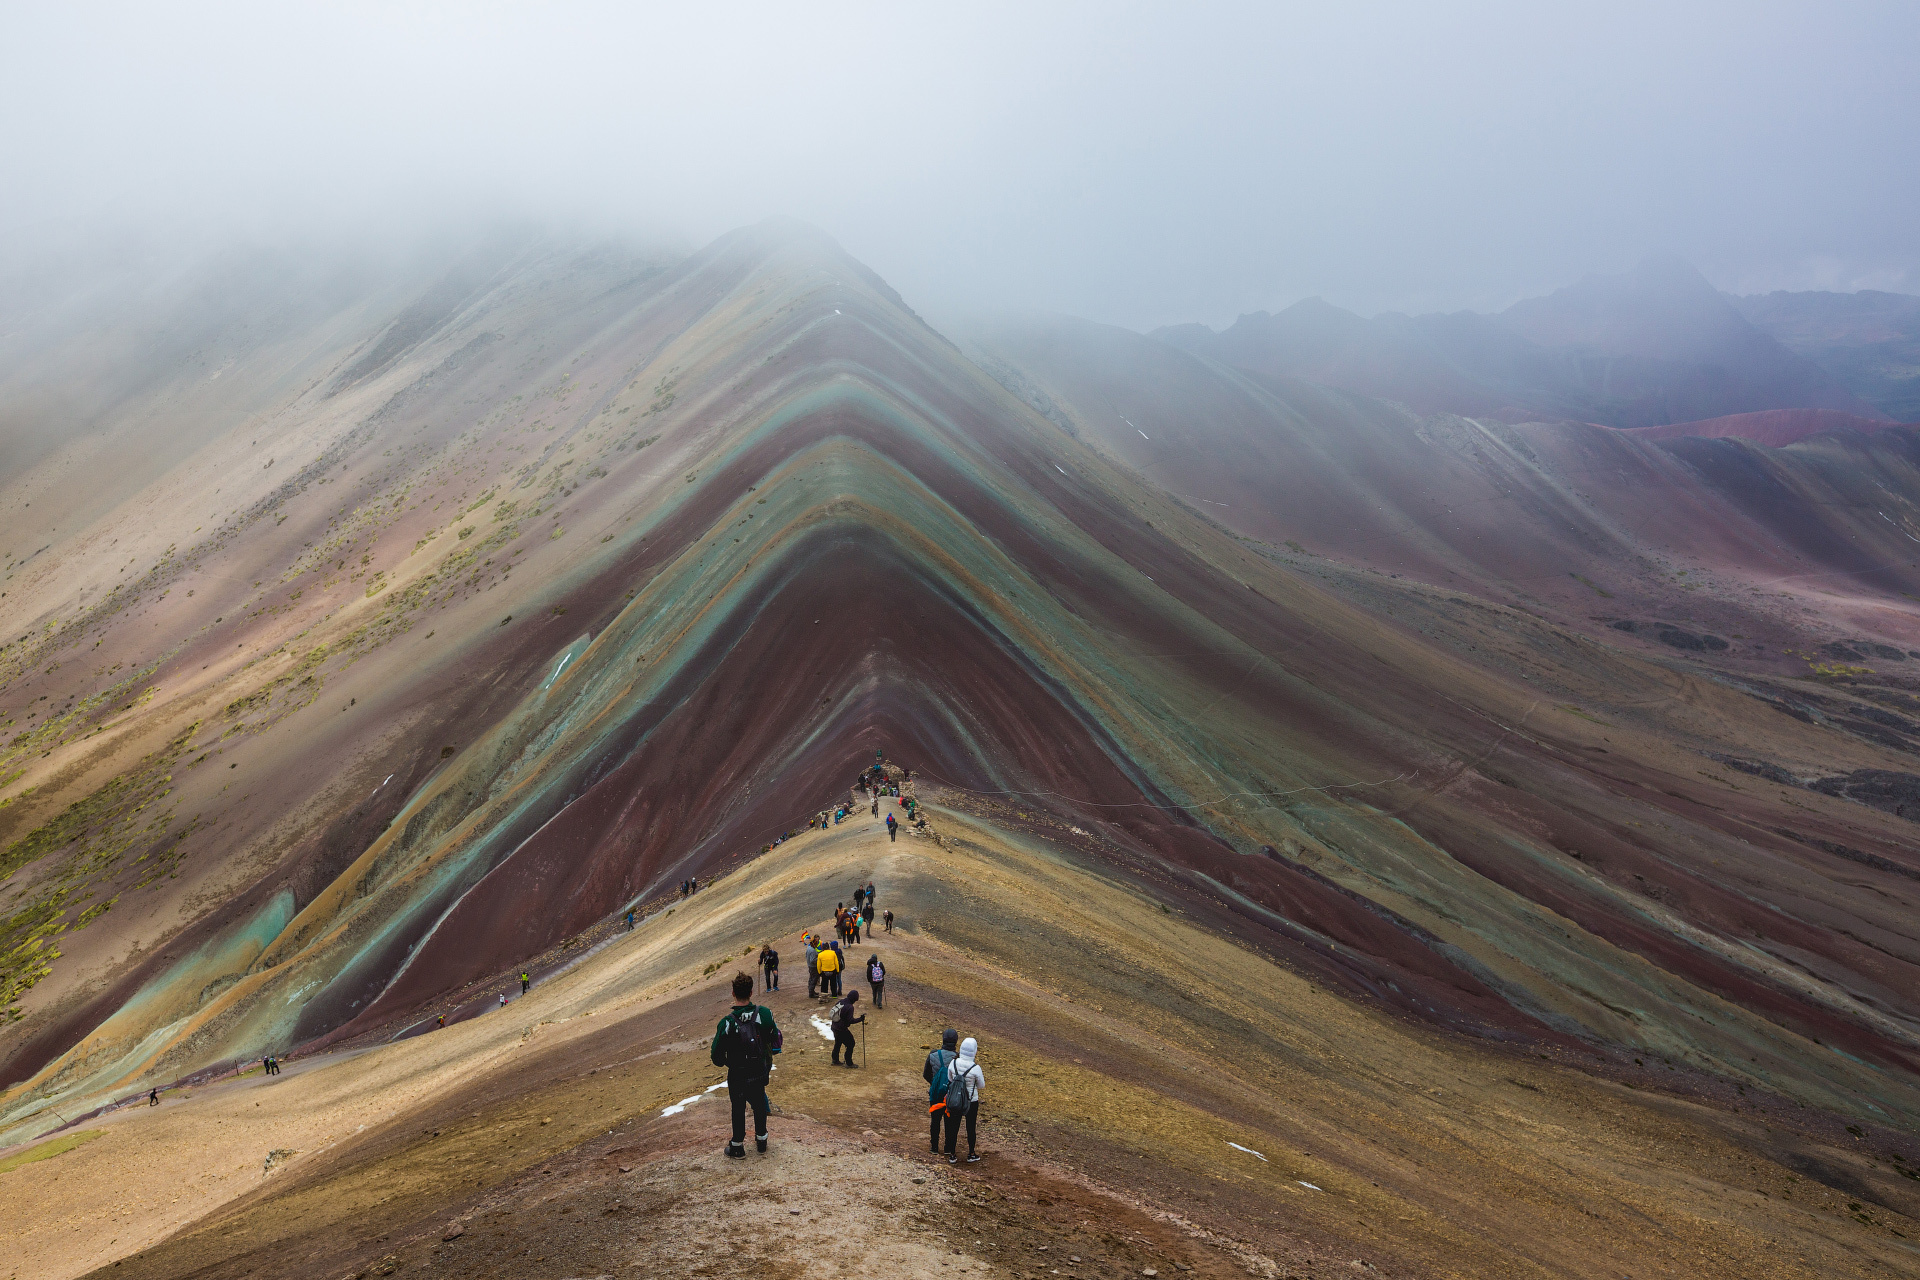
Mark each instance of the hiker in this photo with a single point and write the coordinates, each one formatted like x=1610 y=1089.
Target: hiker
x=829 y=963
x=813 y=968
x=867 y=917
x=770 y=967
x=843 y=1021
x=503 y=999
x=629 y=922
x=153 y=1097
x=443 y=1020
x=525 y=982
x=876 y=806
x=266 y=1064
x=693 y=885
x=893 y=829
x=887 y=916
x=744 y=1043
x=877 y=979
x=934 y=1071
x=965 y=1082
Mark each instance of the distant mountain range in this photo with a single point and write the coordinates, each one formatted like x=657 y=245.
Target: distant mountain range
x=1656 y=346
x=1868 y=341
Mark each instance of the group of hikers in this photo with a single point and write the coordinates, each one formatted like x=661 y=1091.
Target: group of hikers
x=848 y=921
x=877 y=782
x=747 y=1038
x=688 y=887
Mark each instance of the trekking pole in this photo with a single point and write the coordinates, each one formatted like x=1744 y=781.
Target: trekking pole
x=863 y=1046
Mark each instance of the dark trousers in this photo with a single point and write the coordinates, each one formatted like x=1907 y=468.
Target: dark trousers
x=842 y=1037
x=813 y=981
x=893 y=833
x=772 y=977
x=934 y=1120
x=879 y=990
x=953 y=1127
x=830 y=983
x=748 y=1094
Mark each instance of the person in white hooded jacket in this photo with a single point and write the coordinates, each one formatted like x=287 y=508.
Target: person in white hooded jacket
x=970 y=1079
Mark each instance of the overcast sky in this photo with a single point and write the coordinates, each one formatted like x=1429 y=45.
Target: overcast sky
x=1134 y=163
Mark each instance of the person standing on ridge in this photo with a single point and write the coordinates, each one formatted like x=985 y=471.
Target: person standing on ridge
x=153 y=1097
x=843 y=1021
x=744 y=1043
x=893 y=829
x=525 y=982
x=830 y=970
x=503 y=999
x=769 y=967
x=629 y=922
x=965 y=1083
x=877 y=979
x=813 y=967
x=934 y=1071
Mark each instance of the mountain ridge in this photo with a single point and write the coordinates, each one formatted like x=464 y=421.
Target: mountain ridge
x=619 y=573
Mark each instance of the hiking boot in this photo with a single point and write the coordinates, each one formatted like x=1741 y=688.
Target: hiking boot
x=853 y=1065
x=736 y=1152
x=973 y=1157
x=760 y=1144
x=953 y=1159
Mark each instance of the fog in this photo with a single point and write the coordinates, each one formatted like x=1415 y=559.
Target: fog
x=1136 y=164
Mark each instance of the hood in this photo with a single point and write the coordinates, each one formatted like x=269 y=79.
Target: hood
x=969 y=1050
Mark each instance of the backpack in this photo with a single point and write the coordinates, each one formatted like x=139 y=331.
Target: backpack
x=751 y=1042
x=937 y=1091
x=958 y=1098
x=876 y=974
x=747 y=1042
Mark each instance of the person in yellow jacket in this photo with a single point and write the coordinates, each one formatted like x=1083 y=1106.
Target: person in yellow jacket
x=829 y=963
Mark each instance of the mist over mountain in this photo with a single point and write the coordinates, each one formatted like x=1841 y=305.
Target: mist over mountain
x=1868 y=341
x=1656 y=346
x=1329 y=597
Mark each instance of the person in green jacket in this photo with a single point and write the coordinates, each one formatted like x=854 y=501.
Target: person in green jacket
x=744 y=1043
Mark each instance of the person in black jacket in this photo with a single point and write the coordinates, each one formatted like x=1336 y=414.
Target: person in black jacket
x=744 y=1043
x=947 y=1052
x=843 y=1021
x=769 y=968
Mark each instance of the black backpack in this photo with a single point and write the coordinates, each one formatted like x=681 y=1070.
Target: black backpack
x=750 y=1045
x=958 y=1096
